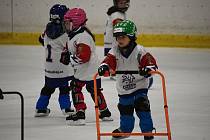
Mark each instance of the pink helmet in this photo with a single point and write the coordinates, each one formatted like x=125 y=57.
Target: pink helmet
x=77 y=16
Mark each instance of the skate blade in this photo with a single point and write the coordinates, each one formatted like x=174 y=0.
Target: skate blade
x=41 y=114
x=120 y=138
x=107 y=119
x=79 y=122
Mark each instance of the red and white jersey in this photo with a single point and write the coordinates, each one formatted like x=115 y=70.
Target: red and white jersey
x=83 y=47
x=109 y=40
x=129 y=83
x=53 y=49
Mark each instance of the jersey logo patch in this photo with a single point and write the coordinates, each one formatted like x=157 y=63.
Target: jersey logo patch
x=128 y=81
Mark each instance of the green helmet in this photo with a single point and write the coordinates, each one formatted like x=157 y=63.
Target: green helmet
x=125 y=27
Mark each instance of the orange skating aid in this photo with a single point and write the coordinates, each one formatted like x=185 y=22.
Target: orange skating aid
x=168 y=133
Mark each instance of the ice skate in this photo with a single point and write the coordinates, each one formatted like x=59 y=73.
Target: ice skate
x=105 y=115
x=118 y=137
x=76 y=119
x=148 y=137
x=42 y=112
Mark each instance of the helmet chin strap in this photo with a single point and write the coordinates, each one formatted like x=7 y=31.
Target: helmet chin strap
x=77 y=29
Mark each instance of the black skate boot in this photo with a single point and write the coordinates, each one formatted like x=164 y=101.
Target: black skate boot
x=118 y=137
x=42 y=112
x=148 y=137
x=68 y=111
x=77 y=118
x=105 y=115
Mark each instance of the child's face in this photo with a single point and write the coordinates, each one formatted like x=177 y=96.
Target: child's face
x=122 y=4
x=68 y=25
x=123 y=41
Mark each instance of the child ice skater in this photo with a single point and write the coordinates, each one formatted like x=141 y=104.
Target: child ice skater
x=82 y=56
x=116 y=13
x=132 y=88
x=57 y=75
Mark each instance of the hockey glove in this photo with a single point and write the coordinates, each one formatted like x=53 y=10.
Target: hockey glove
x=145 y=71
x=41 y=40
x=103 y=70
x=65 y=57
x=74 y=60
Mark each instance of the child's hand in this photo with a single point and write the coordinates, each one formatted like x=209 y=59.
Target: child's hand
x=103 y=70
x=41 y=40
x=145 y=71
x=65 y=57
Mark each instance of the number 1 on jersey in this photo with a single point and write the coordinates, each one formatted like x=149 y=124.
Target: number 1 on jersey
x=49 y=59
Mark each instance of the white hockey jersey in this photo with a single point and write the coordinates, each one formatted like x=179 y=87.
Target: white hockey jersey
x=129 y=83
x=109 y=40
x=53 y=49
x=84 y=71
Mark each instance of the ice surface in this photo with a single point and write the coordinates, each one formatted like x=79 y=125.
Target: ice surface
x=187 y=73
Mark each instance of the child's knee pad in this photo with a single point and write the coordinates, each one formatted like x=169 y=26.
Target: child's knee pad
x=126 y=109
x=142 y=104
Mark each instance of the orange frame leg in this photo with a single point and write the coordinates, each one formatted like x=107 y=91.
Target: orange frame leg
x=168 y=133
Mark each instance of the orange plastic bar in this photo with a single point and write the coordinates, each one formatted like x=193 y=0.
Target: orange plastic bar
x=165 y=102
x=96 y=107
x=134 y=134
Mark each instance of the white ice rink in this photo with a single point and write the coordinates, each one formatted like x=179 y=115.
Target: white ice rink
x=187 y=73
